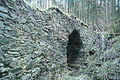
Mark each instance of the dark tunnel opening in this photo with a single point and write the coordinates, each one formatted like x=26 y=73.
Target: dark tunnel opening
x=73 y=47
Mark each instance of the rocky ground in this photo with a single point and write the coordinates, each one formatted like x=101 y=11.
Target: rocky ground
x=33 y=46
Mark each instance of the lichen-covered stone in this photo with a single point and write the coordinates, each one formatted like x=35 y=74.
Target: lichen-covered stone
x=5 y=40
x=1 y=59
x=7 y=61
x=35 y=71
x=5 y=47
x=1 y=37
x=26 y=77
x=1 y=65
x=17 y=70
x=30 y=64
x=14 y=64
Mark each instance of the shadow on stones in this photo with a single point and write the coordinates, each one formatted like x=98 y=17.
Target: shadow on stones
x=73 y=47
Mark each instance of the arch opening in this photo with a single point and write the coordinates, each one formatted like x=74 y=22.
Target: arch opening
x=73 y=47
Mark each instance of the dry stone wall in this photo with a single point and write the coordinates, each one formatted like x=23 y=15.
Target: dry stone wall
x=33 y=42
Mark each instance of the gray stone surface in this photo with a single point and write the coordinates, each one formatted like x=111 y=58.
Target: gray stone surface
x=33 y=43
x=26 y=77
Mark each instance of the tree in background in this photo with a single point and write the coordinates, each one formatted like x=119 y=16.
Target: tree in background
x=101 y=15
